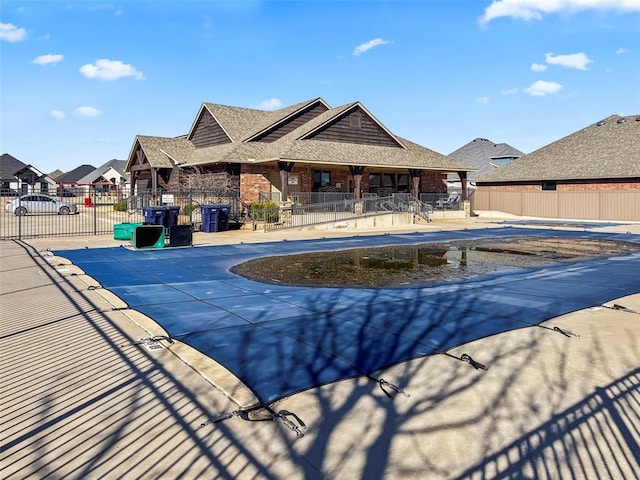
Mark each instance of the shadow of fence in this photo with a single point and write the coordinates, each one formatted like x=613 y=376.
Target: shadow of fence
x=598 y=437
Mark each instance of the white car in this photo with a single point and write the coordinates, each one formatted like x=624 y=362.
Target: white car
x=35 y=203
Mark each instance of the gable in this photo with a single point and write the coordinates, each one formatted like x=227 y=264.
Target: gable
x=355 y=126
x=291 y=123
x=207 y=132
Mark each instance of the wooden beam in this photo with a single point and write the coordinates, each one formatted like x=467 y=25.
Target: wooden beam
x=136 y=168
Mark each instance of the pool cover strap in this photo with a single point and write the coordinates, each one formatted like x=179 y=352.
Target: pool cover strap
x=281 y=415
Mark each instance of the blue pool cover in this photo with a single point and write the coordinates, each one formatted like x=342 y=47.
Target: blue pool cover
x=279 y=340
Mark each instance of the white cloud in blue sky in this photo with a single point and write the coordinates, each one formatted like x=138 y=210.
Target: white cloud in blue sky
x=105 y=69
x=87 y=112
x=270 y=104
x=537 y=9
x=411 y=63
x=10 y=33
x=542 y=88
x=365 y=47
x=579 y=61
x=48 y=59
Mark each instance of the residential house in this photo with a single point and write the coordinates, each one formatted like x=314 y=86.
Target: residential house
x=17 y=176
x=483 y=155
x=307 y=147
x=593 y=174
x=73 y=177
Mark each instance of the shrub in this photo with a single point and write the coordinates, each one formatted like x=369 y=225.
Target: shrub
x=120 y=207
x=264 y=211
x=187 y=209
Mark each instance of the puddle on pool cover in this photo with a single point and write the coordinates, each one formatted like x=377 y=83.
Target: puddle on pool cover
x=397 y=266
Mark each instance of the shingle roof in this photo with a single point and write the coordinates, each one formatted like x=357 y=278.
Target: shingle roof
x=243 y=123
x=607 y=149
x=9 y=165
x=480 y=153
x=117 y=165
x=76 y=174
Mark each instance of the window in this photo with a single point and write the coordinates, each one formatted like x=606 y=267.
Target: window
x=321 y=178
x=548 y=185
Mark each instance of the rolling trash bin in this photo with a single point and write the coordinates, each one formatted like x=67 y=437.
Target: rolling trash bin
x=180 y=236
x=154 y=215
x=224 y=211
x=171 y=216
x=209 y=218
x=148 y=236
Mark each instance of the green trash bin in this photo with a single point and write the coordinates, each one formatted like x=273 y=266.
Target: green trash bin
x=148 y=236
x=124 y=231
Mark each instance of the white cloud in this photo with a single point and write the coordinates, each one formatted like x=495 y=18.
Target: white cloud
x=57 y=114
x=87 y=112
x=48 y=59
x=536 y=9
x=270 y=104
x=575 y=60
x=364 y=47
x=10 y=33
x=620 y=51
x=542 y=88
x=537 y=67
x=482 y=100
x=509 y=91
x=105 y=69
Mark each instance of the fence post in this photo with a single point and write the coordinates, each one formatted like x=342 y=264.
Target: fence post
x=95 y=212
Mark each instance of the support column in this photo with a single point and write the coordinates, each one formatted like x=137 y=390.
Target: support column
x=154 y=181
x=356 y=173
x=415 y=181
x=463 y=182
x=285 y=170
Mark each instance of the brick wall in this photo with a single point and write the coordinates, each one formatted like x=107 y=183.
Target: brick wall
x=255 y=179
x=571 y=185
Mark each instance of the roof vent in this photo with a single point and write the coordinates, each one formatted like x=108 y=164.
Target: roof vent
x=600 y=123
x=621 y=120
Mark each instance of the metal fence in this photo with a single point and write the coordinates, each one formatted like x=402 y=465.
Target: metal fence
x=81 y=211
x=300 y=214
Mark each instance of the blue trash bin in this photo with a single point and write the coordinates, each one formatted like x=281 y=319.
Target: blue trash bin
x=224 y=211
x=154 y=215
x=209 y=218
x=171 y=216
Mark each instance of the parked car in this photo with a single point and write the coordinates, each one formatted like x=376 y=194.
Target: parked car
x=35 y=203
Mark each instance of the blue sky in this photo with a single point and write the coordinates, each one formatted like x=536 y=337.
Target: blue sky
x=80 y=79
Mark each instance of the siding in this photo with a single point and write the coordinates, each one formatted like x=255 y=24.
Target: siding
x=208 y=132
x=346 y=130
x=291 y=124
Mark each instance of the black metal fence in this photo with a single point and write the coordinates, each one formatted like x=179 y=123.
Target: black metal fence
x=304 y=214
x=86 y=211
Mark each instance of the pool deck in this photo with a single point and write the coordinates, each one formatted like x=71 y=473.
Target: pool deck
x=81 y=400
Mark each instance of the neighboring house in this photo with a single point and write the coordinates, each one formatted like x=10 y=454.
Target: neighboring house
x=593 y=173
x=110 y=177
x=484 y=156
x=17 y=176
x=55 y=174
x=74 y=176
x=303 y=148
